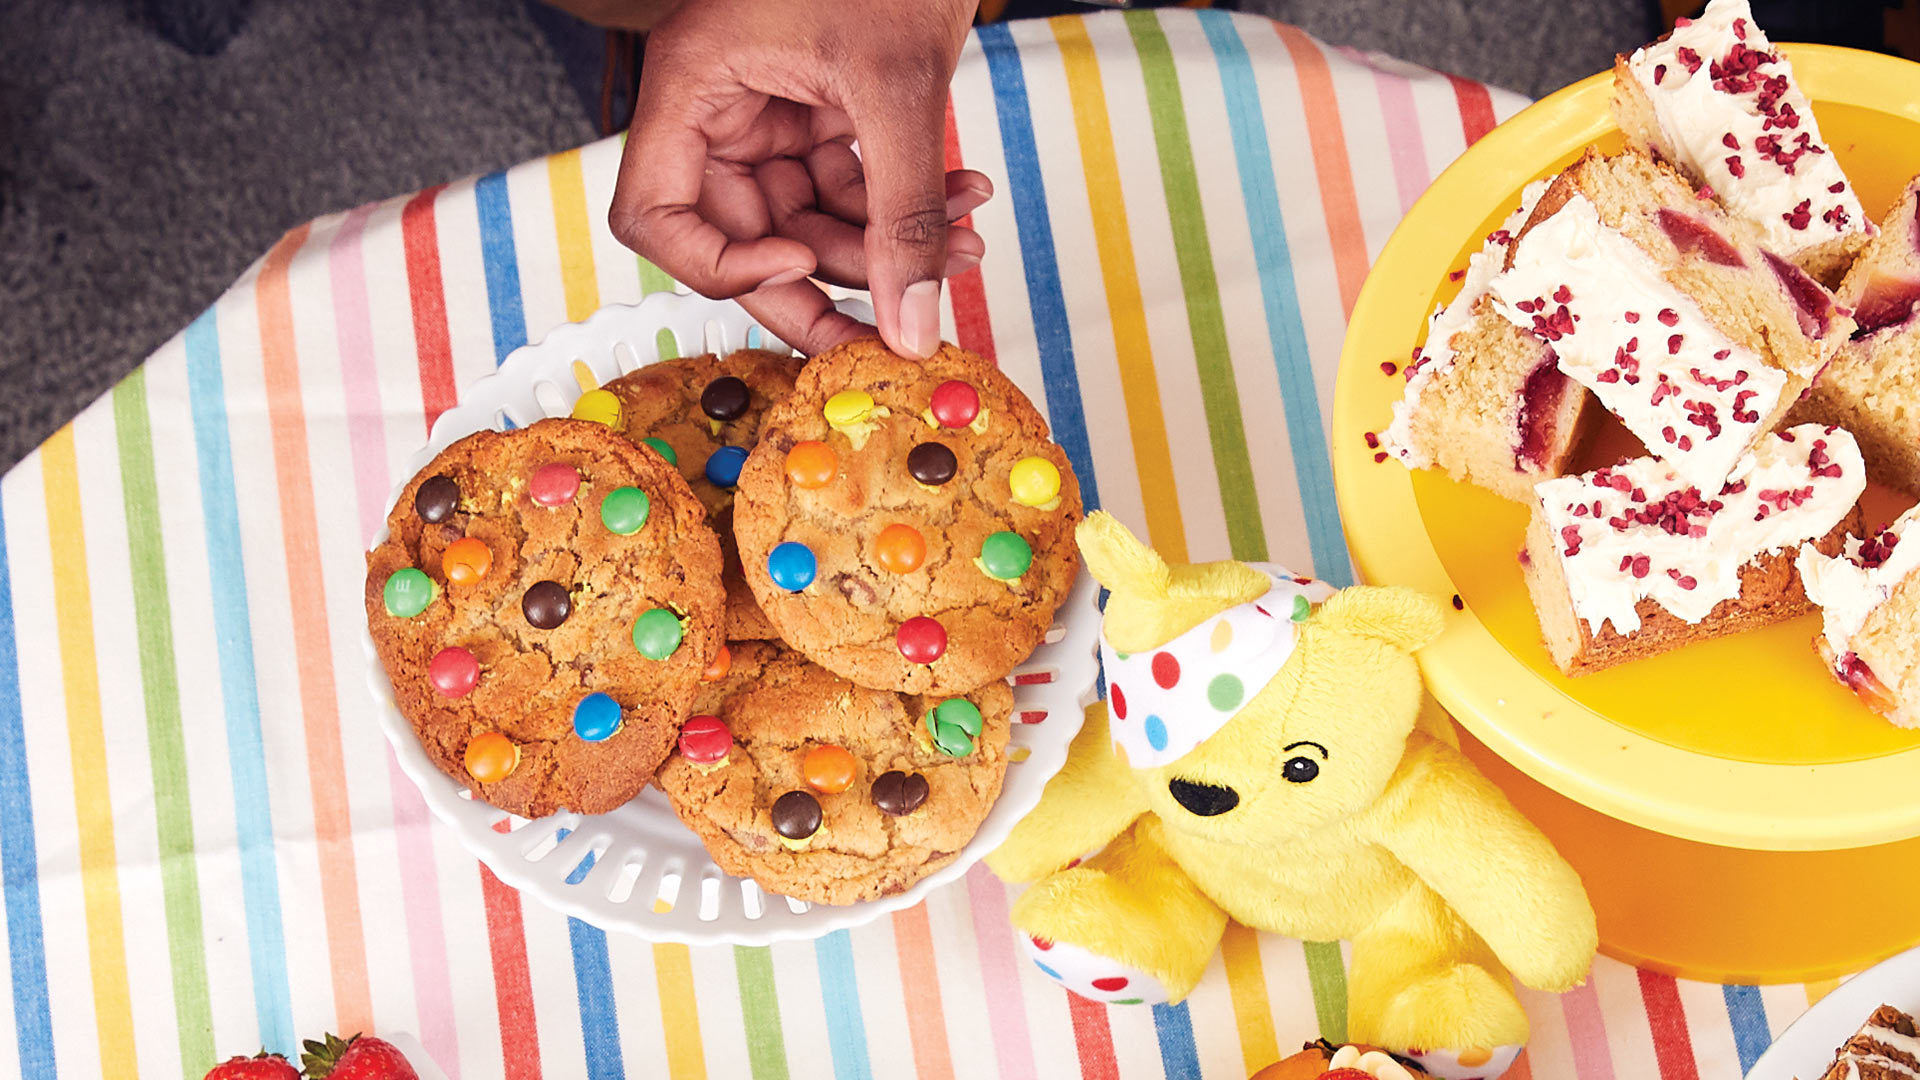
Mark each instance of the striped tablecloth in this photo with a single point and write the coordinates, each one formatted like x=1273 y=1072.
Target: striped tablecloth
x=206 y=843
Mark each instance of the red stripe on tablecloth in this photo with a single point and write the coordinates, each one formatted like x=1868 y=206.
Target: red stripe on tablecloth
x=1320 y=104
x=1476 y=107
x=972 y=328
x=1672 y=1045
x=1093 y=1037
x=422 y=239
x=512 y=981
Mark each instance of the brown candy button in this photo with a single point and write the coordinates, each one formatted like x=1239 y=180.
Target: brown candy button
x=546 y=604
x=437 y=499
x=796 y=815
x=932 y=464
x=725 y=398
x=898 y=794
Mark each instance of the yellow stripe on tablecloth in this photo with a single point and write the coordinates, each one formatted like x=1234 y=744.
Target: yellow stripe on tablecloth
x=1153 y=459
x=86 y=738
x=571 y=229
x=1247 y=985
x=1818 y=990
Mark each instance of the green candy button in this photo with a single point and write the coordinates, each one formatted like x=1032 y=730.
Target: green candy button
x=624 y=510
x=959 y=712
x=660 y=446
x=954 y=724
x=1005 y=556
x=408 y=592
x=657 y=633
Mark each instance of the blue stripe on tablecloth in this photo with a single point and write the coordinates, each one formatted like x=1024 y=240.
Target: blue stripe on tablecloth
x=1179 y=1054
x=19 y=864
x=1751 y=1035
x=840 y=993
x=1286 y=332
x=593 y=986
x=1057 y=371
x=233 y=634
x=502 y=264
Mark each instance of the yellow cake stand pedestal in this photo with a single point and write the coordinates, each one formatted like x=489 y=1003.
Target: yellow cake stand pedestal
x=1736 y=815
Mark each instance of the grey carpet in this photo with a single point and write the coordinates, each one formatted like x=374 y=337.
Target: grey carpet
x=137 y=181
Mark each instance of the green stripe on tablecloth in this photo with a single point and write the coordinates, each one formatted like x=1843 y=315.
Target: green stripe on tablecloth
x=653 y=280
x=1205 y=321
x=1327 y=975
x=760 y=1012
x=166 y=746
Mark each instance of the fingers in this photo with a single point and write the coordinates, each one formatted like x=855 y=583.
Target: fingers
x=802 y=316
x=839 y=248
x=903 y=160
x=967 y=191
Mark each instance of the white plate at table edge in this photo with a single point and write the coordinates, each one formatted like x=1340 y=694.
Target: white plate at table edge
x=641 y=851
x=1805 y=1049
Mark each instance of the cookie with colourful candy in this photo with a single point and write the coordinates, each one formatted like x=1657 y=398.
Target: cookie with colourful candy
x=546 y=604
x=1322 y=1060
x=908 y=524
x=822 y=791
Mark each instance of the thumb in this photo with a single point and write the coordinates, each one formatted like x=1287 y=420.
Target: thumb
x=904 y=159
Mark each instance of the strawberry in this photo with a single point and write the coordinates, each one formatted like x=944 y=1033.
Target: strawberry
x=361 y=1057
x=261 y=1066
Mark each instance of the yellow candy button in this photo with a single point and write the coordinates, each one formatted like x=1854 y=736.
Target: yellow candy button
x=848 y=407
x=599 y=406
x=1035 y=482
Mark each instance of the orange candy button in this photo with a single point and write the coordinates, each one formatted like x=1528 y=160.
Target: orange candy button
x=491 y=757
x=722 y=663
x=829 y=769
x=811 y=465
x=466 y=560
x=900 y=549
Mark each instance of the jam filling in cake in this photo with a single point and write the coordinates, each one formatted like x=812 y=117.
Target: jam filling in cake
x=1869 y=598
x=1715 y=98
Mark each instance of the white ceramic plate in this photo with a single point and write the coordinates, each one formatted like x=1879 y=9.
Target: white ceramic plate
x=648 y=873
x=1806 y=1048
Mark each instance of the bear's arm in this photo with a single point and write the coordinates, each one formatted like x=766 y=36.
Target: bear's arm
x=1089 y=802
x=1458 y=832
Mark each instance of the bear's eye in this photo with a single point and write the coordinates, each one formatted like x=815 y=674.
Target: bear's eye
x=1300 y=770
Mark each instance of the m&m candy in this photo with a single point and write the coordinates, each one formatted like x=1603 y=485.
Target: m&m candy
x=725 y=398
x=848 y=407
x=811 y=465
x=900 y=549
x=723 y=467
x=599 y=406
x=796 y=815
x=553 y=484
x=436 y=499
x=657 y=633
x=932 y=463
x=954 y=724
x=624 y=510
x=546 y=604
x=1034 y=481
x=955 y=404
x=717 y=670
x=408 y=592
x=596 y=718
x=705 y=740
x=898 y=794
x=491 y=757
x=453 y=671
x=829 y=769
x=921 y=640
x=663 y=448
x=466 y=560
x=791 y=566
x=1005 y=555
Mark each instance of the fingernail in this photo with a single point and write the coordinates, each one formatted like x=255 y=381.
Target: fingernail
x=920 y=318
x=959 y=263
x=785 y=277
x=966 y=202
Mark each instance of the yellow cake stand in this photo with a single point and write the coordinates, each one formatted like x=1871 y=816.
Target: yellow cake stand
x=1737 y=816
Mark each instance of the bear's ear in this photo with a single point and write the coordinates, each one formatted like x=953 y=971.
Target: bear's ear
x=1118 y=560
x=1404 y=618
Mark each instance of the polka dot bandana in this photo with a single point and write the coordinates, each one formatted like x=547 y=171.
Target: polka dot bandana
x=1164 y=702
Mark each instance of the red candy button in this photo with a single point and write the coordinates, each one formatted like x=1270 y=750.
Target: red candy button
x=554 y=485
x=705 y=740
x=955 y=404
x=921 y=640
x=453 y=671
x=1110 y=984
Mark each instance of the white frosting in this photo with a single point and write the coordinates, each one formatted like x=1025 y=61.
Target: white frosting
x=1437 y=356
x=1638 y=530
x=1724 y=99
x=1847 y=590
x=1694 y=397
x=1375 y=1063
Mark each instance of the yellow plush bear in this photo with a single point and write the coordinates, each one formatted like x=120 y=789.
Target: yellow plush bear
x=1263 y=756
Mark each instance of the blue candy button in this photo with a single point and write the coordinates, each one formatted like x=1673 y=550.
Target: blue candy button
x=597 y=717
x=792 y=566
x=723 y=468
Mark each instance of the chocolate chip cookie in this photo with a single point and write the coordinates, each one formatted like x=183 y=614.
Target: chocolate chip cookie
x=822 y=791
x=703 y=414
x=908 y=524
x=545 y=603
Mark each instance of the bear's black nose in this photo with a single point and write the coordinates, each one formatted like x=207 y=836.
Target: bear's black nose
x=1206 y=800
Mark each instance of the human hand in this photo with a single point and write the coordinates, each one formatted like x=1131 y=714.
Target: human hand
x=740 y=177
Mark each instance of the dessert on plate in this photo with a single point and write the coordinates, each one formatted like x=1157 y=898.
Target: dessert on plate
x=1633 y=560
x=1869 y=599
x=1887 y=1047
x=1715 y=99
